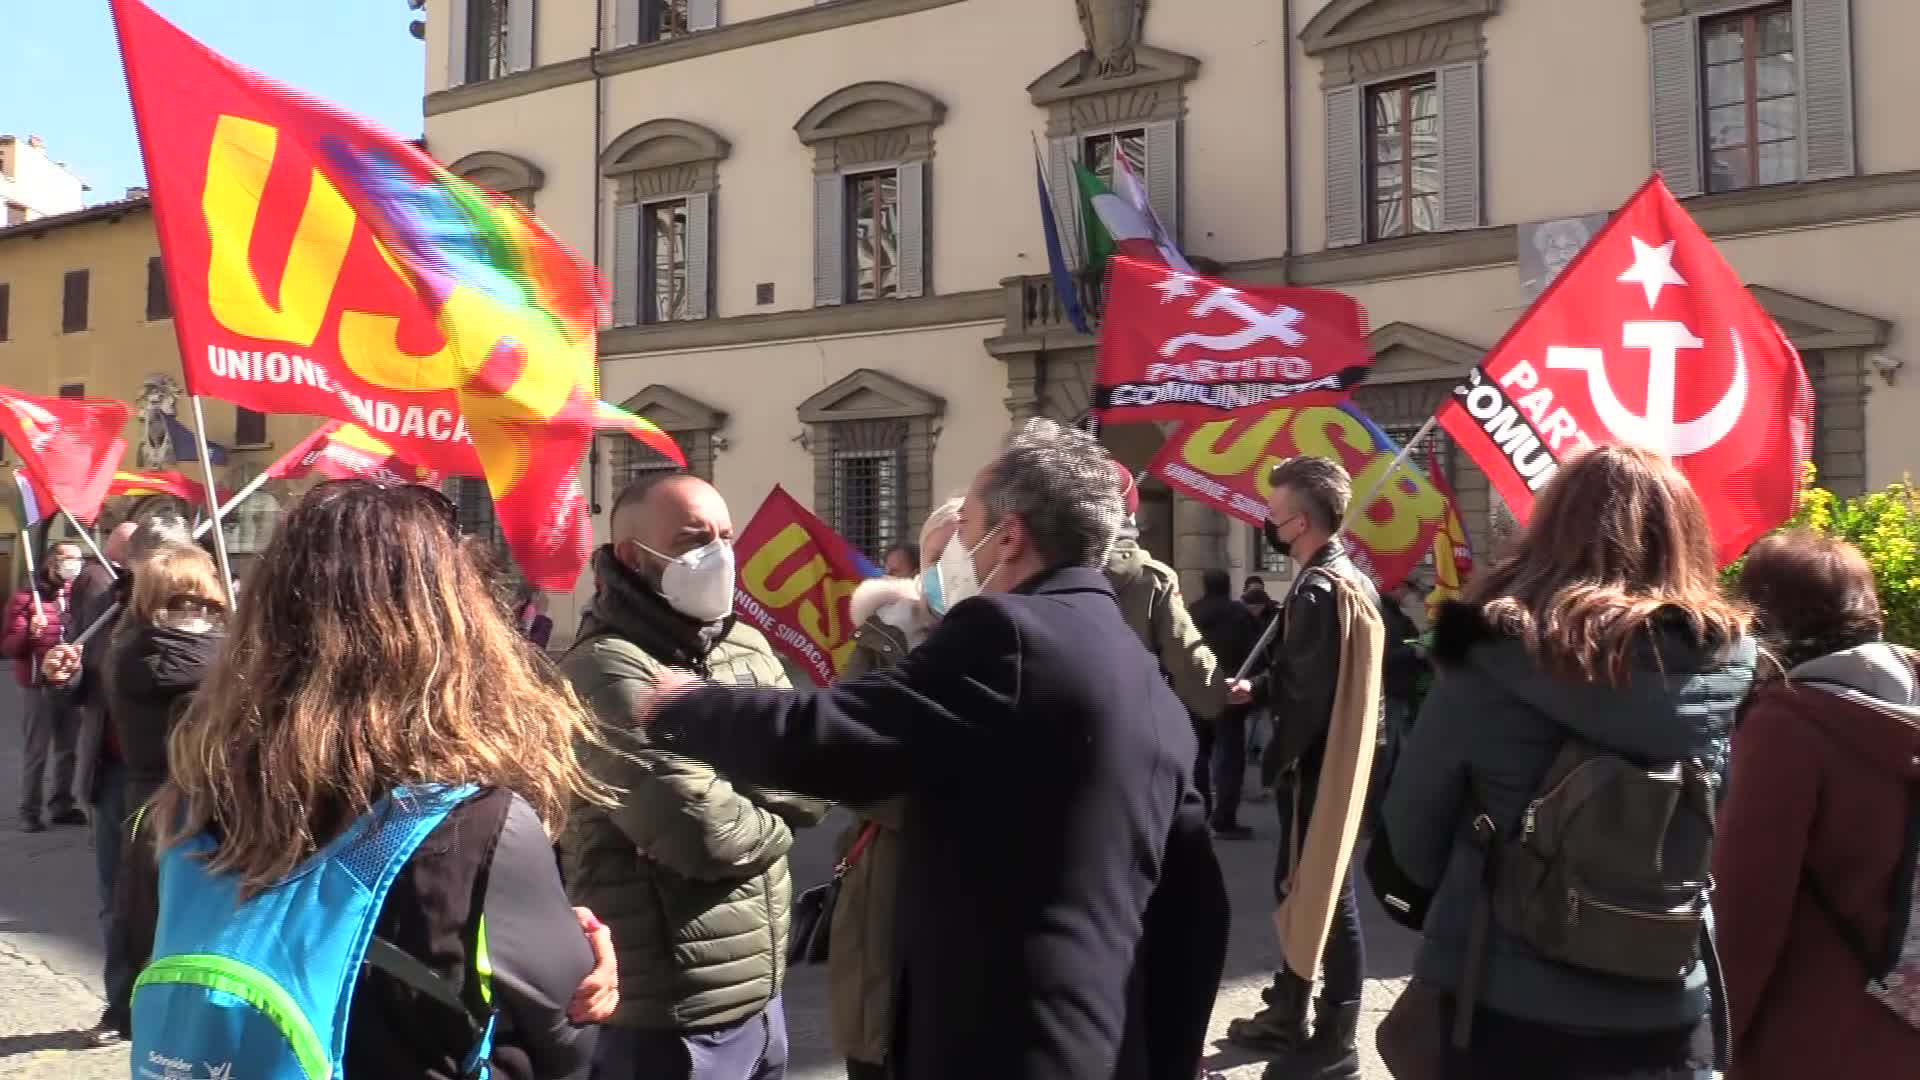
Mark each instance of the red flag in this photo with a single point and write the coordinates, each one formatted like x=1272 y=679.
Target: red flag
x=1225 y=464
x=70 y=446
x=319 y=265
x=162 y=483
x=1452 y=548
x=1647 y=338
x=796 y=578
x=342 y=451
x=1175 y=346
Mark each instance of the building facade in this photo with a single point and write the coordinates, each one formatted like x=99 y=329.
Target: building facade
x=84 y=313
x=32 y=184
x=821 y=225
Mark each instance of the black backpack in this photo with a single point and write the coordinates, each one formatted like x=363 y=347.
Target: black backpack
x=1609 y=868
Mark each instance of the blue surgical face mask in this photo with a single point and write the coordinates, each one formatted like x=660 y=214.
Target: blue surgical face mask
x=951 y=579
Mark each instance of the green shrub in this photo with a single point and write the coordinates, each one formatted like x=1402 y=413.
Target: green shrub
x=1885 y=526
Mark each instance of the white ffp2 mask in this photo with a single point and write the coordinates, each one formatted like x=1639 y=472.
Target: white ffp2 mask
x=699 y=584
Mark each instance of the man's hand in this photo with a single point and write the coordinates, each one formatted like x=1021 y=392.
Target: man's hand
x=1239 y=692
x=61 y=664
x=599 y=993
x=666 y=690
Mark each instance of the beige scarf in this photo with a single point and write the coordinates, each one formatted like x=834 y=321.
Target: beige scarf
x=1317 y=865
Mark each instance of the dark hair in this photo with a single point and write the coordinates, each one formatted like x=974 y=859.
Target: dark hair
x=1616 y=538
x=911 y=551
x=1254 y=582
x=1216 y=583
x=1324 y=485
x=1812 y=594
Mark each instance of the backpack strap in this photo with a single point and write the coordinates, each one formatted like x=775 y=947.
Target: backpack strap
x=385 y=956
x=1899 y=904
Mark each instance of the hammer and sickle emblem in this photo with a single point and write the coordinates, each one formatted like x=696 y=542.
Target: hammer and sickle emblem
x=1281 y=325
x=1658 y=430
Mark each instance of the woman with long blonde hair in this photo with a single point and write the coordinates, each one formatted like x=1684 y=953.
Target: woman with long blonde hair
x=372 y=657
x=1602 y=639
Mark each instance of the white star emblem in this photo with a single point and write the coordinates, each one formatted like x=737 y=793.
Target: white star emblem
x=1652 y=269
x=1174 y=286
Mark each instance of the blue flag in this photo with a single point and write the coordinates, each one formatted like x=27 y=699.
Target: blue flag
x=186 y=449
x=1063 y=283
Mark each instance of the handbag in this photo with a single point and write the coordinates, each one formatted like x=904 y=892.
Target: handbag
x=1412 y=1039
x=811 y=935
x=1404 y=900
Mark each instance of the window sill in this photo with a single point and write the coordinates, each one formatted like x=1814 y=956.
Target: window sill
x=250 y=447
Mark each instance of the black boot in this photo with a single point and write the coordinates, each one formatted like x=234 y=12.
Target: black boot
x=1333 y=1052
x=1281 y=1027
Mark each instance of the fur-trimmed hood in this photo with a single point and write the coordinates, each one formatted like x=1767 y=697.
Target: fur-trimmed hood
x=1673 y=675
x=895 y=602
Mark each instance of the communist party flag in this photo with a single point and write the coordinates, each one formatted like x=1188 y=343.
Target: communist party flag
x=1176 y=346
x=162 y=483
x=338 y=450
x=319 y=265
x=1225 y=464
x=70 y=447
x=1649 y=339
x=796 y=578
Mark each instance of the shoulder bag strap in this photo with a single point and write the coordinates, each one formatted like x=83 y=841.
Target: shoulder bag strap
x=854 y=852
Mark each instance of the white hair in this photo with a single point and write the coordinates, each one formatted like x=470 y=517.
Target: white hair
x=1062 y=486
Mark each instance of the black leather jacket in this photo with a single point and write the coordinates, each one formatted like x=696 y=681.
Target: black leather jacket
x=1304 y=665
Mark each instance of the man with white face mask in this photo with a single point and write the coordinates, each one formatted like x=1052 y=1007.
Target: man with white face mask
x=689 y=871
x=1061 y=913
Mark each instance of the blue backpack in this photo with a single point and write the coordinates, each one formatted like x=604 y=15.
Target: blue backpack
x=261 y=989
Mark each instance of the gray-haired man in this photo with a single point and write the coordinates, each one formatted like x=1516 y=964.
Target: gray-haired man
x=1058 y=890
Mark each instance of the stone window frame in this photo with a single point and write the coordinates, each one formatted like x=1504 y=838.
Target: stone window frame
x=1837 y=347
x=870 y=127
x=510 y=175
x=663 y=160
x=693 y=424
x=1081 y=103
x=1823 y=47
x=868 y=407
x=1362 y=44
x=702 y=16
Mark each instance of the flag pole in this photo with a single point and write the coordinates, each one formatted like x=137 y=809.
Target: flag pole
x=33 y=571
x=213 y=496
x=1353 y=508
x=86 y=537
x=233 y=504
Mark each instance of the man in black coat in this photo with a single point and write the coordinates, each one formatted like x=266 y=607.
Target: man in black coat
x=1061 y=914
x=1231 y=631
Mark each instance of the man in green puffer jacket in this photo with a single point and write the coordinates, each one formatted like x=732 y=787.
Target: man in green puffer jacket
x=689 y=871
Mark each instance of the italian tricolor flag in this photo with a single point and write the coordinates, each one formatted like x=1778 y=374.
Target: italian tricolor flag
x=1121 y=222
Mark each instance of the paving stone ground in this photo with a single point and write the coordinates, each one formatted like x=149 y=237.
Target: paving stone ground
x=50 y=948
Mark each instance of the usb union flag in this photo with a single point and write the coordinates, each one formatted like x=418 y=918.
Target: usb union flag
x=320 y=265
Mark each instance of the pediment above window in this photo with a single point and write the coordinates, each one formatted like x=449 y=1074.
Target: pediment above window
x=1360 y=40
x=671 y=410
x=869 y=395
x=496 y=171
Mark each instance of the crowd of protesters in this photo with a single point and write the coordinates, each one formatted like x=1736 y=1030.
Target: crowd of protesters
x=1648 y=827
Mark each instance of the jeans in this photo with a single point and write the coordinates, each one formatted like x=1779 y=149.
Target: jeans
x=109 y=830
x=1229 y=765
x=1203 y=756
x=753 y=1049
x=53 y=726
x=1343 y=968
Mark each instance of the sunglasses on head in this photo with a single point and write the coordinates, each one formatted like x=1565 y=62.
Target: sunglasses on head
x=433 y=498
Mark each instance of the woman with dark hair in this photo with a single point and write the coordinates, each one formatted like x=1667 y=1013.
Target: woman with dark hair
x=1814 y=832
x=1603 y=631
x=375 y=656
x=902 y=560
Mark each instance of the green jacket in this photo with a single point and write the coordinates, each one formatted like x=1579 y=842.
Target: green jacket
x=689 y=871
x=1148 y=593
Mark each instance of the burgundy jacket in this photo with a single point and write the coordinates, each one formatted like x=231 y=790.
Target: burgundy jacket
x=19 y=643
x=1820 y=786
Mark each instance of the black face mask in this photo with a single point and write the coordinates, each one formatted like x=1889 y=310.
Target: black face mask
x=1272 y=533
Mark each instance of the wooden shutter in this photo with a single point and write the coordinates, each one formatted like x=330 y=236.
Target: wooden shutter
x=1823 y=32
x=703 y=14
x=915 y=220
x=457 y=24
x=699 y=255
x=626 y=264
x=158 y=305
x=6 y=310
x=1460 y=146
x=73 y=301
x=1062 y=153
x=626 y=22
x=1163 y=174
x=519 y=34
x=1673 y=60
x=1346 y=184
x=829 y=240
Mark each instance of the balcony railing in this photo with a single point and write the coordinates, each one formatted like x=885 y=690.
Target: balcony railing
x=1034 y=306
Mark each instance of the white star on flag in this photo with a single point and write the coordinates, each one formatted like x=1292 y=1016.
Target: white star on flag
x=1652 y=269
x=1174 y=286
